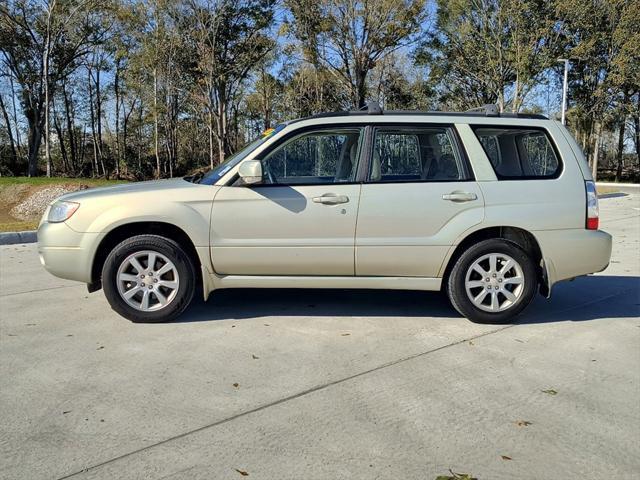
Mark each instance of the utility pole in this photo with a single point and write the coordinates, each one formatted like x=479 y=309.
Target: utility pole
x=565 y=85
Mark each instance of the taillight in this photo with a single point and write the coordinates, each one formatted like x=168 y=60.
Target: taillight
x=592 y=206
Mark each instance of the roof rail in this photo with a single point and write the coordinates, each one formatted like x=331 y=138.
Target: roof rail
x=373 y=108
x=490 y=110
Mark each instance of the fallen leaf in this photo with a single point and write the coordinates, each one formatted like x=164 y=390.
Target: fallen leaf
x=523 y=423
x=254 y=357
x=456 y=476
x=345 y=334
x=470 y=342
x=11 y=335
x=236 y=385
x=100 y=347
x=242 y=472
x=233 y=326
x=550 y=391
x=504 y=457
x=102 y=420
x=70 y=335
x=31 y=324
x=65 y=412
x=518 y=340
x=267 y=325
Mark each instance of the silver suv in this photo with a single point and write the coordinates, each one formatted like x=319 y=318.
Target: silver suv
x=487 y=207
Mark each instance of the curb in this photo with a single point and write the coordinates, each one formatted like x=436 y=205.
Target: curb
x=12 y=238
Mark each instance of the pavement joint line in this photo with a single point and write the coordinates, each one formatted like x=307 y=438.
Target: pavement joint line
x=280 y=401
x=40 y=290
x=323 y=386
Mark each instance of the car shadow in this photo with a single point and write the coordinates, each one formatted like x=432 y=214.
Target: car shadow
x=284 y=196
x=586 y=298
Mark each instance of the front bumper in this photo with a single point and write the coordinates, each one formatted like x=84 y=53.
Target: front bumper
x=573 y=253
x=66 y=253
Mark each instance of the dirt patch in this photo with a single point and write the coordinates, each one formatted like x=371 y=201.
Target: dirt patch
x=35 y=203
x=22 y=205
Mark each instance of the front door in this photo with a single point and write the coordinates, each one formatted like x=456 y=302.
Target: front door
x=301 y=219
x=419 y=197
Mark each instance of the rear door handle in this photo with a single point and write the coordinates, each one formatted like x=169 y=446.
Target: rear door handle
x=460 y=197
x=331 y=199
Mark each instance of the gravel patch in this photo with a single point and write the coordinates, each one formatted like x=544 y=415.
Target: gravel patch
x=36 y=204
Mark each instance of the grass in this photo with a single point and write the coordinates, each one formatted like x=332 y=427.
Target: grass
x=603 y=190
x=18 y=226
x=44 y=181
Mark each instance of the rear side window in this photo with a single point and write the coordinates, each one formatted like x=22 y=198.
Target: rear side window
x=409 y=154
x=519 y=153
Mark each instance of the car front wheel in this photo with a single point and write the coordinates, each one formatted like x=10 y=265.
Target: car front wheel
x=492 y=282
x=148 y=278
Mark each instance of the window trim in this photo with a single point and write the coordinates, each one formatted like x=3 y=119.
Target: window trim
x=508 y=178
x=363 y=127
x=457 y=143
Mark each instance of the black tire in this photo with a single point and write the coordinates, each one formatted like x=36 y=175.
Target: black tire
x=455 y=285
x=171 y=250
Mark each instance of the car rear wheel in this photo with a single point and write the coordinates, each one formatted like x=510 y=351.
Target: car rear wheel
x=148 y=278
x=492 y=282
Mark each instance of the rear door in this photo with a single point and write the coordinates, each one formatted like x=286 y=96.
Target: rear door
x=301 y=219
x=419 y=197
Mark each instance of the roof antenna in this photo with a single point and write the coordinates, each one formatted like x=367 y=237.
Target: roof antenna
x=372 y=108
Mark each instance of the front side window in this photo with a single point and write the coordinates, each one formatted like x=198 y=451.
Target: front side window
x=521 y=152
x=405 y=154
x=318 y=157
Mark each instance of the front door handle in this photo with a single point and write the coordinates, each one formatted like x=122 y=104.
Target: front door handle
x=331 y=199
x=460 y=197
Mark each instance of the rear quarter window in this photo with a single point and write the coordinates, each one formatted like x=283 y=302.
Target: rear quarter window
x=519 y=152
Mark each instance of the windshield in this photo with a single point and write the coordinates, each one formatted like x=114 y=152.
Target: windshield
x=212 y=176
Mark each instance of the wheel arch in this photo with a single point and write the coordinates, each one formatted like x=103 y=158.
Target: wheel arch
x=521 y=237
x=128 y=230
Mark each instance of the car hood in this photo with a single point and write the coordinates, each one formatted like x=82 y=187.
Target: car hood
x=154 y=186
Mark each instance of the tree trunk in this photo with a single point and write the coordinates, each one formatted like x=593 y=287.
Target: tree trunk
x=96 y=171
x=636 y=122
x=33 y=112
x=139 y=149
x=361 y=88
x=619 y=155
x=222 y=132
x=211 y=135
x=45 y=81
x=15 y=112
x=70 y=129
x=125 y=130
x=14 y=155
x=63 y=148
x=116 y=88
x=155 y=120
x=99 y=122
x=596 y=150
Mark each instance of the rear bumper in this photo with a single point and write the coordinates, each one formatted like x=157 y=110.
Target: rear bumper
x=572 y=253
x=66 y=253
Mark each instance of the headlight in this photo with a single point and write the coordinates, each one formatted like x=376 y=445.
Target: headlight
x=61 y=211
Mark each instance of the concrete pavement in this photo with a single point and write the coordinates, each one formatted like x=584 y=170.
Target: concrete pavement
x=323 y=384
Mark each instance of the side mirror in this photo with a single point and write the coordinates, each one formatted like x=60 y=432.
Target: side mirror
x=250 y=172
